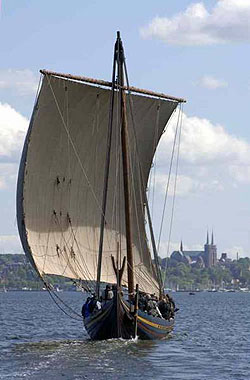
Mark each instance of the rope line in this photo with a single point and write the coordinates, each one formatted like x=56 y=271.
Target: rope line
x=168 y=182
x=74 y=148
x=53 y=294
x=175 y=185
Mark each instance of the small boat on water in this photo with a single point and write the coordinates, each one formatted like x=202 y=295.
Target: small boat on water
x=81 y=193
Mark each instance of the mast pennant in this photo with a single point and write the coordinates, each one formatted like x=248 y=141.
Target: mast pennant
x=60 y=184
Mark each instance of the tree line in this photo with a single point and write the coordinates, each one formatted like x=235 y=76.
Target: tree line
x=17 y=273
x=233 y=274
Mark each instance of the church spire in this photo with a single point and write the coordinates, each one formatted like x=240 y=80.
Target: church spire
x=181 y=247
x=212 y=242
x=207 y=239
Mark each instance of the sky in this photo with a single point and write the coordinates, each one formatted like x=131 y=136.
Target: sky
x=190 y=49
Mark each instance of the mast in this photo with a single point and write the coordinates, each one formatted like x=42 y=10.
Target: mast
x=119 y=60
x=125 y=164
x=107 y=165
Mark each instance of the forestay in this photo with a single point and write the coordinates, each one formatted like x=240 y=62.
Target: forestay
x=61 y=178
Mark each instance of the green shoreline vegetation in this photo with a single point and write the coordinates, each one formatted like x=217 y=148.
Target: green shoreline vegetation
x=16 y=273
x=234 y=274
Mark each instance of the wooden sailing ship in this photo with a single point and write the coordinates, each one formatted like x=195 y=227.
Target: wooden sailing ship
x=81 y=194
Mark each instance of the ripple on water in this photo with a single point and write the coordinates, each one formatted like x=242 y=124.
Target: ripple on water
x=210 y=341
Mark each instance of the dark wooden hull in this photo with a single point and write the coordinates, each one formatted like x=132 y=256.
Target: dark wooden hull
x=116 y=321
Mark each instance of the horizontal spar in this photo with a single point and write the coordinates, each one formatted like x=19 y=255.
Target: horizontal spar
x=109 y=84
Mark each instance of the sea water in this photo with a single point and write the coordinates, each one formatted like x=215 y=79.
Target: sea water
x=211 y=340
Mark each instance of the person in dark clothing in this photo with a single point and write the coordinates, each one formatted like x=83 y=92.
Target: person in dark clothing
x=85 y=308
x=92 y=303
x=107 y=294
x=171 y=304
x=164 y=308
x=142 y=302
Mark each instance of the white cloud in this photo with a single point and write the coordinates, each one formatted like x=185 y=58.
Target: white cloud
x=8 y=175
x=212 y=83
x=13 y=127
x=24 y=82
x=232 y=252
x=167 y=249
x=227 y=22
x=2 y=183
x=10 y=244
x=210 y=158
x=187 y=185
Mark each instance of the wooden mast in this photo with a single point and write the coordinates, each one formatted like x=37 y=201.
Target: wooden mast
x=125 y=164
x=106 y=175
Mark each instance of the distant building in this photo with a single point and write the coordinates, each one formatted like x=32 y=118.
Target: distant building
x=199 y=259
x=224 y=259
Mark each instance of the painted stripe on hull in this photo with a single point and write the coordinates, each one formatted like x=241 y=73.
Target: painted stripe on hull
x=103 y=324
x=148 y=328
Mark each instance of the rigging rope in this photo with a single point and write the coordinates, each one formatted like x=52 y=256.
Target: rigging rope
x=74 y=148
x=143 y=185
x=49 y=289
x=52 y=294
x=168 y=182
x=175 y=184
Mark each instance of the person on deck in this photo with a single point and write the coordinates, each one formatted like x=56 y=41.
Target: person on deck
x=94 y=304
x=142 y=302
x=164 y=308
x=107 y=294
x=171 y=305
x=85 y=308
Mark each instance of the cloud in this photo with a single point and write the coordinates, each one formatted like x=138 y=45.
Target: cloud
x=10 y=244
x=211 y=159
x=232 y=252
x=167 y=249
x=227 y=22
x=24 y=82
x=211 y=82
x=187 y=185
x=13 y=127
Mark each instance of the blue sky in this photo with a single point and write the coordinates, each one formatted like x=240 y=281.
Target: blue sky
x=191 y=49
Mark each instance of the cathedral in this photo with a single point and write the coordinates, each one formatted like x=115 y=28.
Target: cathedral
x=200 y=259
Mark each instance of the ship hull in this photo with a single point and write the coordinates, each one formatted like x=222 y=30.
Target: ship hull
x=116 y=321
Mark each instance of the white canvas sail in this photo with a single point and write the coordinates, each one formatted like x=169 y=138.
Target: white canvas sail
x=61 y=178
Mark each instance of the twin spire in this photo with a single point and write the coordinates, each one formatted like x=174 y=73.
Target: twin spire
x=212 y=239
x=207 y=243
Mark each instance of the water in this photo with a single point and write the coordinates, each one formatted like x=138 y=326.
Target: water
x=211 y=340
